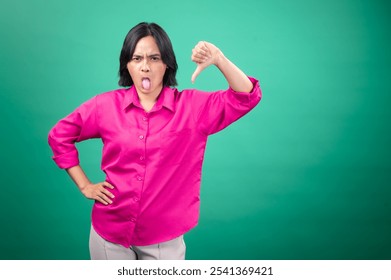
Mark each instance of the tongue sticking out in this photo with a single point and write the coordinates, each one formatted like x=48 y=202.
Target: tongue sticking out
x=146 y=83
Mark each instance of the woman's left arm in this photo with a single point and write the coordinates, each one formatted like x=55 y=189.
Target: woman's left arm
x=206 y=54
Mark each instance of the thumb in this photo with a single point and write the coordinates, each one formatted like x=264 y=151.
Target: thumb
x=197 y=71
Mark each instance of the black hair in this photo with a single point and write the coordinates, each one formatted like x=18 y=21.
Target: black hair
x=163 y=42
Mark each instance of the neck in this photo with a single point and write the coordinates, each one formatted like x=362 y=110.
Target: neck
x=147 y=100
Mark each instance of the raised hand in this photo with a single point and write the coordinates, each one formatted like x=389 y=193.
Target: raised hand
x=204 y=54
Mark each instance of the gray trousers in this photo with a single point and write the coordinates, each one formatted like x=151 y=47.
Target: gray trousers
x=101 y=249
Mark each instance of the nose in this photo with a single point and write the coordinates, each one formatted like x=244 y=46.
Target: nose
x=145 y=66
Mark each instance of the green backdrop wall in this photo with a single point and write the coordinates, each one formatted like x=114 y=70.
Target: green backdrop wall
x=306 y=175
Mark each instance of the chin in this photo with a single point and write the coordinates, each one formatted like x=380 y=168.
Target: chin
x=144 y=91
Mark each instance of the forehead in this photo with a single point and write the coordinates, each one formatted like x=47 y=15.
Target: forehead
x=147 y=45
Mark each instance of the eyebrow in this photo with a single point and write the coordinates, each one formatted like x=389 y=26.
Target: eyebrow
x=151 y=55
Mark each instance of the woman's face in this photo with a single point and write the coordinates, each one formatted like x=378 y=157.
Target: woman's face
x=146 y=67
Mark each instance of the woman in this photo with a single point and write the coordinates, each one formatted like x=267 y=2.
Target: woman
x=154 y=139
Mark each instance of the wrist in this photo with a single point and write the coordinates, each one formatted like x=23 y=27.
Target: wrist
x=220 y=59
x=84 y=186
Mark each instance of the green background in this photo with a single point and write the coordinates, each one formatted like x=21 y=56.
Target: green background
x=306 y=175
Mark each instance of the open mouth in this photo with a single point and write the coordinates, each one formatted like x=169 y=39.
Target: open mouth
x=146 y=83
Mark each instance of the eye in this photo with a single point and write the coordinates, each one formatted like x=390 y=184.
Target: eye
x=155 y=58
x=136 y=58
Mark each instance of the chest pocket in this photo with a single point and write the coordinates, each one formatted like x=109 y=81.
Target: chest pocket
x=174 y=147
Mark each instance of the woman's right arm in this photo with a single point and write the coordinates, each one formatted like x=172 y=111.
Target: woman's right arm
x=80 y=125
x=97 y=191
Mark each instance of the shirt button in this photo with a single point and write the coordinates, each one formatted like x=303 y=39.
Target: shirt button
x=133 y=220
x=141 y=158
x=141 y=137
x=139 y=178
x=135 y=199
x=145 y=119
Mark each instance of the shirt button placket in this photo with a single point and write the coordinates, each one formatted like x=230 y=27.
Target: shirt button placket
x=145 y=122
x=140 y=177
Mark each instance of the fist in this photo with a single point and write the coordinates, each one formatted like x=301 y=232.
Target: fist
x=204 y=54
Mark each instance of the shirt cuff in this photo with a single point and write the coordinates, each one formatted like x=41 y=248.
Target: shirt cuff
x=249 y=98
x=67 y=160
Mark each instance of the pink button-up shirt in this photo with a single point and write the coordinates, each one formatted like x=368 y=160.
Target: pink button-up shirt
x=152 y=159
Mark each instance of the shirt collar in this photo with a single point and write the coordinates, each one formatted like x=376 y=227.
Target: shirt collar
x=166 y=99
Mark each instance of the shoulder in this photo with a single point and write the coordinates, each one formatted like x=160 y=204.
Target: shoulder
x=112 y=94
x=116 y=96
x=191 y=94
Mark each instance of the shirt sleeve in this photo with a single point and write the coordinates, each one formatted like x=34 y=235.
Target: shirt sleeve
x=80 y=125
x=221 y=108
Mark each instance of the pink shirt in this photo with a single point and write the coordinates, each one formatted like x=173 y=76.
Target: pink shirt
x=152 y=159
